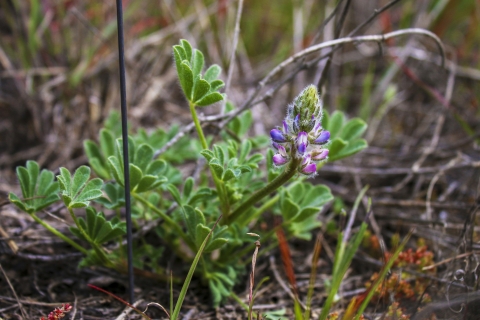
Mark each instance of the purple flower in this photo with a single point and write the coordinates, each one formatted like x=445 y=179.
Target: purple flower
x=277 y=136
x=302 y=142
x=296 y=123
x=309 y=169
x=319 y=155
x=282 y=151
x=322 y=138
x=279 y=160
x=285 y=127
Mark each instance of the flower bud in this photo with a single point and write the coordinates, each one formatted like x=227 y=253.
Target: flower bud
x=322 y=138
x=319 y=155
x=279 y=160
x=302 y=142
x=277 y=136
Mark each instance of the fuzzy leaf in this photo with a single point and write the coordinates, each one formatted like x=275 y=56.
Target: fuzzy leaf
x=216 y=167
x=335 y=123
x=219 y=154
x=289 y=209
x=215 y=85
x=353 y=129
x=175 y=194
x=185 y=75
x=335 y=148
x=245 y=149
x=135 y=176
x=188 y=49
x=212 y=73
x=350 y=149
x=116 y=169
x=80 y=177
x=187 y=187
x=197 y=63
x=148 y=183
x=317 y=196
x=209 y=99
x=201 y=232
x=202 y=87
x=107 y=143
x=216 y=244
x=93 y=151
x=143 y=156
x=91 y=191
x=156 y=167
x=230 y=174
x=202 y=194
x=305 y=214
x=207 y=154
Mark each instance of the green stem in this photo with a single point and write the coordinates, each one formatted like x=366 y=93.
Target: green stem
x=222 y=194
x=276 y=183
x=167 y=219
x=58 y=234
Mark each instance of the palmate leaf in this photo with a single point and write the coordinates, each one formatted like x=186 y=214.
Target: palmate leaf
x=38 y=188
x=145 y=173
x=76 y=191
x=199 y=90
x=98 y=155
x=98 y=229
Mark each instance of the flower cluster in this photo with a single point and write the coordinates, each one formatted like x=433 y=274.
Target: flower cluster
x=58 y=313
x=301 y=135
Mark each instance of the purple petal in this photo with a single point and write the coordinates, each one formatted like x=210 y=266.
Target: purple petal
x=302 y=142
x=285 y=127
x=322 y=138
x=318 y=126
x=277 y=136
x=282 y=151
x=278 y=160
x=320 y=155
x=296 y=123
x=306 y=159
x=309 y=169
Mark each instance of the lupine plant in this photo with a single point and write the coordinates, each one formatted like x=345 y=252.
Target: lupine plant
x=246 y=180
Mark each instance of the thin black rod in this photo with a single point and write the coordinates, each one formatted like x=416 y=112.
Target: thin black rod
x=123 y=103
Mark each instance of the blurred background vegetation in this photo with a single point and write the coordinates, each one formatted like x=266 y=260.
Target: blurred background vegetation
x=59 y=77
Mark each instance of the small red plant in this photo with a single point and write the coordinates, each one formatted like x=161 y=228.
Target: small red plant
x=58 y=313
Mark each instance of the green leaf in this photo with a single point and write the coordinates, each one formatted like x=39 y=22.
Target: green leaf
x=306 y=213
x=188 y=49
x=107 y=143
x=353 y=129
x=80 y=177
x=216 y=244
x=245 y=149
x=201 y=194
x=216 y=167
x=16 y=201
x=92 y=150
x=289 y=209
x=212 y=73
x=215 y=85
x=207 y=154
x=350 y=149
x=317 y=196
x=116 y=169
x=135 y=176
x=97 y=167
x=201 y=232
x=335 y=147
x=202 y=87
x=143 y=156
x=187 y=187
x=335 y=123
x=175 y=193
x=149 y=182
x=156 y=167
x=193 y=217
x=197 y=64
x=185 y=75
x=91 y=191
x=230 y=174
x=209 y=99
x=219 y=153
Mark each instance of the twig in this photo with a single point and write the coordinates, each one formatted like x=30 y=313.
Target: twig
x=234 y=49
x=20 y=306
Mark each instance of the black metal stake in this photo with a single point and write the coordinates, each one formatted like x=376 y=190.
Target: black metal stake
x=123 y=103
